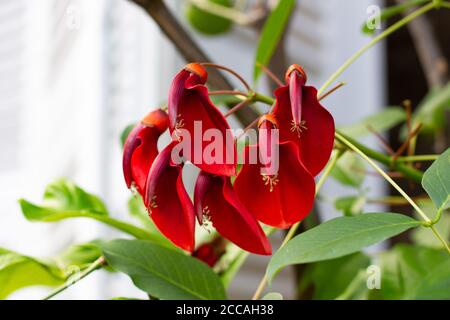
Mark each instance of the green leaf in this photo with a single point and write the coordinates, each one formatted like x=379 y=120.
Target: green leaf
x=273 y=296
x=64 y=195
x=339 y=237
x=349 y=170
x=18 y=271
x=271 y=34
x=330 y=278
x=208 y=23
x=430 y=113
x=163 y=273
x=63 y=200
x=436 y=181
x=379 y=122
x=414 y=272
x=350 y=206
x=81 y=254
x=389 y=12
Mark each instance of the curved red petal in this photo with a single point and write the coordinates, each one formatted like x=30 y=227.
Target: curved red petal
x=315 y=143
x=292 y=195
x=168 y=202
x=189 y=103
x=232 y=220
x=202 y=185
x=131 y=143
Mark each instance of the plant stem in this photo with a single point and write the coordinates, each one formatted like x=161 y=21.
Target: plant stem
x=351 y=146
x=418 y=158
x=94 y=266
x=293 y=229
x=428 y=222
x=374 y=41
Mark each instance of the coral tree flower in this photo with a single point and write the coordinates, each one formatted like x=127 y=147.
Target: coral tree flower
x=280 y=198
x=189 y=103
x=303 y=120
x=167 y=201
x=216 y=201
x=141 y=149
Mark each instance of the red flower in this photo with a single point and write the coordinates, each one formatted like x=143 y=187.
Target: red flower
x=141 y=148
x=215 y=200
x=207 y=254
x=303 y=120
x=279 y=198
x=167 y=201
x=188 y=104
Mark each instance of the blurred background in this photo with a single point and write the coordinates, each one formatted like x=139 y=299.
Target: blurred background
x=75 y=73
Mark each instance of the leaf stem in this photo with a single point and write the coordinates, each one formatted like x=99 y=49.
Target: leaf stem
x=418 y=158
x=374 y=41
x=351 y=146
x=293 y=229
x=97 y=264
x=428 y=222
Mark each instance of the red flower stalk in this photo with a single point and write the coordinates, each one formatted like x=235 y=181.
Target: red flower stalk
x=141 y=148
x=167 y=201
x=215 y=200
x=279 y=198
x=303 y=120
x=189 y=104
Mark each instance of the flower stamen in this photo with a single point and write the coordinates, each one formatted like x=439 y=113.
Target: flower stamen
x=206 y=221
x=298 y=127
x=153 y=204
x=178 y=125
x=270 y=181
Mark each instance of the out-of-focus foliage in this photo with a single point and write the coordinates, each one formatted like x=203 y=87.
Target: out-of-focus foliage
x=208 y=23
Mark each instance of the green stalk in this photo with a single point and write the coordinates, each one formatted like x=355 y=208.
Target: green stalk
x=97 y=264
x=374 y=41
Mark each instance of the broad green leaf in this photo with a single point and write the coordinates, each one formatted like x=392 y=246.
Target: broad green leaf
x=339 y=237
x=163 y=273
x=125 y=298
x=273 y=296
x=379 y=122
x=271 y=34
x=413 y=272
x=328 y=279
x=125 y=133
x=389 y=12
x=64 y=200
x=350 y=206
x=430 y=113
x=18 y=271
x=436 y=181
x=349 y=170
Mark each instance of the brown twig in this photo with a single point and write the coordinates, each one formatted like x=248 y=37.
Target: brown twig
x=188 y=48
x=432 y=59
x=270 y=74
x=336 y=87
x=405 y=144
x=381 y=139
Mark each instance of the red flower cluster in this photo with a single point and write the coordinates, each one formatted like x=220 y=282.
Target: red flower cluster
x=279 y=198
x=306 y=136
